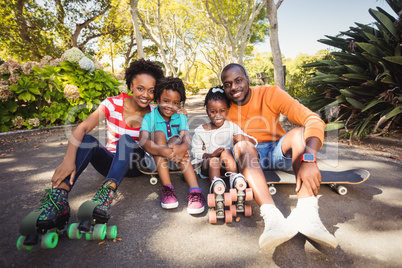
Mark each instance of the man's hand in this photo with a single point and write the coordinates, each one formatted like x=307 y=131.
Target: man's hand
x=66 y=168
x=309 y=175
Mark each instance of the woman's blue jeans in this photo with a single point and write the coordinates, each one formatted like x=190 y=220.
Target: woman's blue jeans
x=114 y=166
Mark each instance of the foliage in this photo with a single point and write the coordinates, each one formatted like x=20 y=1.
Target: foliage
x=360 y=88
x=297 y=76
x=52 y=95
x=191 y=88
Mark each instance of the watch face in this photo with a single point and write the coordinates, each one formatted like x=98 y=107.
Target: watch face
x=308 y=158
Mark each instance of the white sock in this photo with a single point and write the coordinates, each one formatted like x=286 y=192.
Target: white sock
x=311 y=201
x=266 y=208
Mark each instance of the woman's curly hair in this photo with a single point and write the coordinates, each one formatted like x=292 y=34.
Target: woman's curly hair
x=175 y=84
x=143 y=66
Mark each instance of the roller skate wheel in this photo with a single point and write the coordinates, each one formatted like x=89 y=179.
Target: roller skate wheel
x=228 y=216
x=111 y=232
x=233 y=210
x=99 y=231
x=20 y=244
x=153 y=180
x=233 y=193
x=248 y=211
x=89 y=236
x=227 y=197
x=73 y=232
x=212 y=216
x=49 y=240
x=249 y=194
x=211 y=200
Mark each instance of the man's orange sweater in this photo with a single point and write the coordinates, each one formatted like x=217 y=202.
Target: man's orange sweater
x=260 y=116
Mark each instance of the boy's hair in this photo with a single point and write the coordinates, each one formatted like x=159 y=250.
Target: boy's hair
x=172 y=83
x=216 y=93
x=143 y=66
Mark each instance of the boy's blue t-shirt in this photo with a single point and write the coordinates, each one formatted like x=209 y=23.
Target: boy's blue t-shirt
x=154 y=122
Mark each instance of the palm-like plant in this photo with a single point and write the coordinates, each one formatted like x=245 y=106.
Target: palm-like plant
x=359 y=89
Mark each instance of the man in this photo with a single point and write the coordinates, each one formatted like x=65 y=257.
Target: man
x=256 y=110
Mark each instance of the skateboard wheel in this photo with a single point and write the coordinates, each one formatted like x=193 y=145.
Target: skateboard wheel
x=342 y=190
x=49 y=240
x=212 y=216
x=272 y=190
x=248 y=211
x=233 y=193
x=111 y=232
x=99 y=231
x=211 y=200
x=153 y=180
x=228 y=216
x=233 y=210
x=73 y=232
x=20 y=244
x=228 y=199
x=249 y=194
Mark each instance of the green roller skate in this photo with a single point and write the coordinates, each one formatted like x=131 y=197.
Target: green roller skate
x=93 y=216
x=45 y=224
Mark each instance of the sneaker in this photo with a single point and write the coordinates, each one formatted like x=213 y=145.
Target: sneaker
x=169 y=200
x=196 y=202
x=308 y=222
x=56 y=209
x=104 y=197
x=220 y=184
x=237 y=180
x=277 y=229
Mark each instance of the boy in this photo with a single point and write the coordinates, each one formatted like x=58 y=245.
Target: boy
x=165 y=135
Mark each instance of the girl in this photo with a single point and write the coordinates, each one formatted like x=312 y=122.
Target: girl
x=212 y=143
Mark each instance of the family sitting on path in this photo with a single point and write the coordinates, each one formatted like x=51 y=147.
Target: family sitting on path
x=159 y=135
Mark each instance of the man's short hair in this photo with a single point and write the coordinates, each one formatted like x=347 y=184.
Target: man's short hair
x=233 y=65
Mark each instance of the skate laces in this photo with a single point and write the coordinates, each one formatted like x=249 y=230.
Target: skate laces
x=47 y=200
x=103 y=194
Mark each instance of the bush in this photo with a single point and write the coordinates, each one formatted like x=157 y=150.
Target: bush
x=52 y=92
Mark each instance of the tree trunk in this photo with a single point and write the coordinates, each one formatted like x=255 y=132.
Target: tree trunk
x=136 y=25
x=279 y=74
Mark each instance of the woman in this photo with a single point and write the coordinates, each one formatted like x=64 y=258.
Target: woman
x=121 y=157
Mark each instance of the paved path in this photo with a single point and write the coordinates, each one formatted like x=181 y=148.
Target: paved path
x=367 y=221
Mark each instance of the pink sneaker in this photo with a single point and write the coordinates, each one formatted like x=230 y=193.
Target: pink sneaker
x=169 y=200
x=195 y=202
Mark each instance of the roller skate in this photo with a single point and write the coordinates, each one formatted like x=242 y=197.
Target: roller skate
x=45 y=224
x=240 y=194
x=218 y=199
x=93 y=216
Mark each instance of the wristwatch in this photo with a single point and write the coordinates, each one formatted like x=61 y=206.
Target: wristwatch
x=309 y=158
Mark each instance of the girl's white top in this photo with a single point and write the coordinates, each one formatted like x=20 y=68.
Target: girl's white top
x=207 y=141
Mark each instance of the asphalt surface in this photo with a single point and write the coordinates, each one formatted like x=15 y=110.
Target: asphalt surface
x=367 y=222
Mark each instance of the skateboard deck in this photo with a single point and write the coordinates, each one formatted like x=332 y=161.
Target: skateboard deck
x=154 y=180
x=334 y=179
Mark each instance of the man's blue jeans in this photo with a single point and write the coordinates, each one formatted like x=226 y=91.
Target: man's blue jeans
x=114 y=166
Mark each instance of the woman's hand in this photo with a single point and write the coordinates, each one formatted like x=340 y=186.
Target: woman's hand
x=182 y=111
x=66 y=168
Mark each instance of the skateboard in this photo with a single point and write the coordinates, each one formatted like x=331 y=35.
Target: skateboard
x=93 y=228
x=153 y=173
x=31 y=235
x=334 y=179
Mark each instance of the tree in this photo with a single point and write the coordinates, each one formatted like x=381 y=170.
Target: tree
x=237 y=18
x=279 y=74
x=136 y=25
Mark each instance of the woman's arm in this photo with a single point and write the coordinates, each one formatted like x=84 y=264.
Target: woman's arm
x=67 y=167
x=151 y=147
